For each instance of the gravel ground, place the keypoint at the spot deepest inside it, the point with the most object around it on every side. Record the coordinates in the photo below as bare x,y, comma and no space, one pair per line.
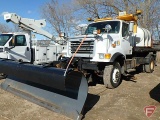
126,102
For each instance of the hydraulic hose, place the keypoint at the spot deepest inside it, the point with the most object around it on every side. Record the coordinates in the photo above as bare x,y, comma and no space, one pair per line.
74,54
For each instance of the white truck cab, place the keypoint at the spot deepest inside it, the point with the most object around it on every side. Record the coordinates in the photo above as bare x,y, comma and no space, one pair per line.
100,45
15,46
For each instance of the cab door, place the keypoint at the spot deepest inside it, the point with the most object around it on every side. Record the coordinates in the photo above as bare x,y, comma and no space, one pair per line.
126,46
20,49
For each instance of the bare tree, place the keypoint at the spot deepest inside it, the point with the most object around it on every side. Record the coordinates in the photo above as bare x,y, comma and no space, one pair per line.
60,16
151,11
158,31
106,8
65,17
110,8
5,28
16,28
96,8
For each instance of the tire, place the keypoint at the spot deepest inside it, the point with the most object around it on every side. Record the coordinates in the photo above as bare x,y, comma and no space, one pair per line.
60,57
149,68
92,79
112,76
2,76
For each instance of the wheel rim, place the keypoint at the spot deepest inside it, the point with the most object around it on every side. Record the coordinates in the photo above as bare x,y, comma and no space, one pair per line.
115,75
152,65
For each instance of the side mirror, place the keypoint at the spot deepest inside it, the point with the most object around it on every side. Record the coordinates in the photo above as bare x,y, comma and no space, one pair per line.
6,49
108,28
61,34
95,32
131,25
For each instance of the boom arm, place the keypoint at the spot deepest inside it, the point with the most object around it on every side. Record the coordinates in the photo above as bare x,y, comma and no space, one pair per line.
28,24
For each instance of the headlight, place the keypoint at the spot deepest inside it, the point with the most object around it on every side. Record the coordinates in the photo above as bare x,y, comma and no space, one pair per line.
101,56
1,49
104,56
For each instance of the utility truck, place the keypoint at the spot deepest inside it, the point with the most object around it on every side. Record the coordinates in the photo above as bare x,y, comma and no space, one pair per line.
111,48
18,45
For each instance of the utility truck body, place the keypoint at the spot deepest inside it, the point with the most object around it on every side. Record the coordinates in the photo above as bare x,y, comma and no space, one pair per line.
18,45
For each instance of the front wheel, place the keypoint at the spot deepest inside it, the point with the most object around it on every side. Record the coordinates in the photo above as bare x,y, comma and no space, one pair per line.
112,75
2,76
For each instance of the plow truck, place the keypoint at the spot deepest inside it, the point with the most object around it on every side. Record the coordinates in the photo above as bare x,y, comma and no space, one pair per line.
111,48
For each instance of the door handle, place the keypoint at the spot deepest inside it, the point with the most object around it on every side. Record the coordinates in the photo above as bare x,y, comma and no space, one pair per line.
27,48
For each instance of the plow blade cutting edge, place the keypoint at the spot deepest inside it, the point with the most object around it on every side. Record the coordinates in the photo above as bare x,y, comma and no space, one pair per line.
46,86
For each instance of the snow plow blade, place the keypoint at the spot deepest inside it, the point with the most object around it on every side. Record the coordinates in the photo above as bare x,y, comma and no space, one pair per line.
47,87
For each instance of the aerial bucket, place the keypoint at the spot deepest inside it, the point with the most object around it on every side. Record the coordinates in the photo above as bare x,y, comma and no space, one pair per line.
46,86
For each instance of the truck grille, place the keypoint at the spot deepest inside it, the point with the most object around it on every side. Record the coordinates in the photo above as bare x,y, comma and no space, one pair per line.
86,47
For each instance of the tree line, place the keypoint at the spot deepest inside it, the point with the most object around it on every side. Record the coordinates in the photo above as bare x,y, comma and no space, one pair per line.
66,16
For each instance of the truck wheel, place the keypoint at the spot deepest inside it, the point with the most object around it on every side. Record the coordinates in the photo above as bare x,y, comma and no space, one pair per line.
112,75
149,68
2,76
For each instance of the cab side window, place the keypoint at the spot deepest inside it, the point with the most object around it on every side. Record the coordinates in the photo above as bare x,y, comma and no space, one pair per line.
20,40
125,28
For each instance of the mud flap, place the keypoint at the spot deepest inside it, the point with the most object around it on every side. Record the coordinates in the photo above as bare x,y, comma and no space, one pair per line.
67,99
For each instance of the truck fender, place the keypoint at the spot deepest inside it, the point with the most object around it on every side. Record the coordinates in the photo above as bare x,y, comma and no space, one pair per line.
119,57
115,56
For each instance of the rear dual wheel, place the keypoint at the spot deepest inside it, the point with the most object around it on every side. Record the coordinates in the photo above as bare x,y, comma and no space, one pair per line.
149,68
112,75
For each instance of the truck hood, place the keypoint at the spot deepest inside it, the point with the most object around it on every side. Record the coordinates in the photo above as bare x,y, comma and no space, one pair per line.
100,37
82,36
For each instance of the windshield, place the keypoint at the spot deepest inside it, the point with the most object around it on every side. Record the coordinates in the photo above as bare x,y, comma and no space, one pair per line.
100,26
4,38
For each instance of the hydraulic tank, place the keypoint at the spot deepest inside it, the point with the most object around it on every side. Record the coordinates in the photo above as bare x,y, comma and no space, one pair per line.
143,38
